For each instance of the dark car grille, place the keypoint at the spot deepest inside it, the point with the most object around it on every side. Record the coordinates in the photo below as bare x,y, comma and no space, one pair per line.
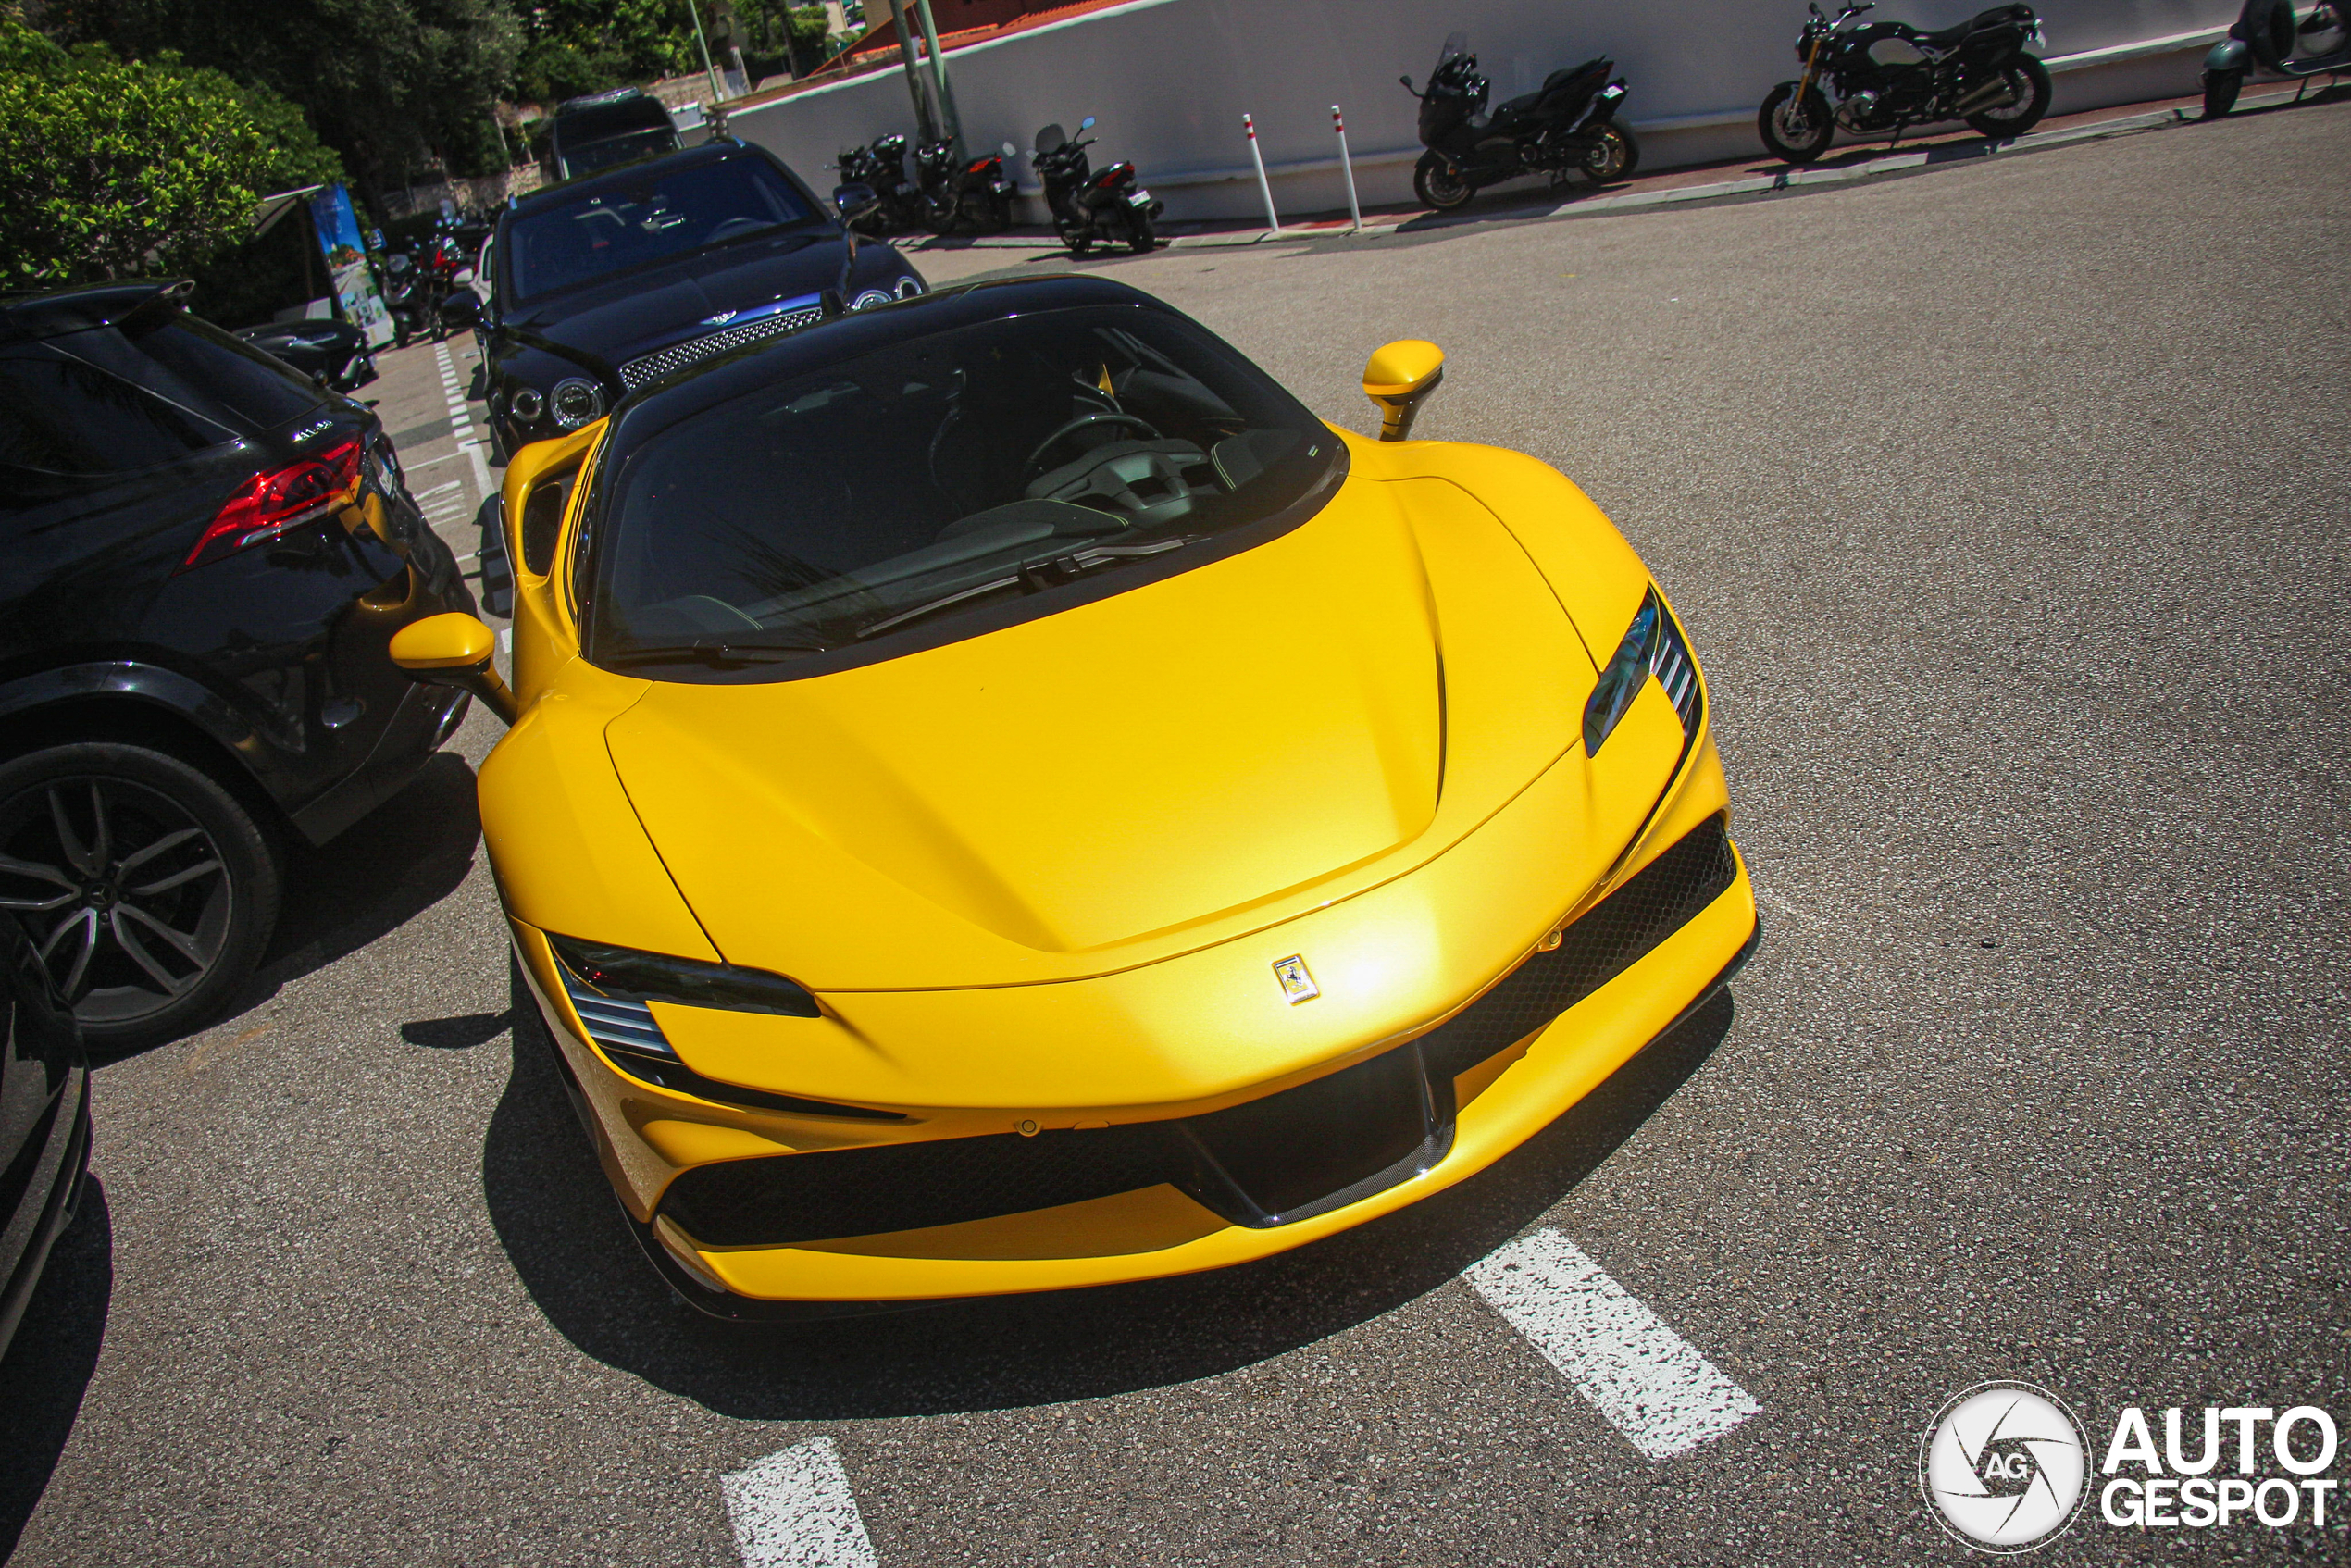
1264,1163
676,356
1608,939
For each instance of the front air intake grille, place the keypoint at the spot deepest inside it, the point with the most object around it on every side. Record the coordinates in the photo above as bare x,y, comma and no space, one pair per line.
632,1041
1606,940
1264,1162
676,356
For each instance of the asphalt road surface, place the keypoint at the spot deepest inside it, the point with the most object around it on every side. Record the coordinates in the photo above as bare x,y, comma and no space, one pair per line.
2008,507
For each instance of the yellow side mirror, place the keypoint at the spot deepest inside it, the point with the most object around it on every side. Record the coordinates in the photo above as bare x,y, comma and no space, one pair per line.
1397,378
454,650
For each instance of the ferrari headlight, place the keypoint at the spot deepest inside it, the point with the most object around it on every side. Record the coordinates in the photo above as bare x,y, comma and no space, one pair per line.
624,974
908,286
1652,645
869,299
575,403
526,405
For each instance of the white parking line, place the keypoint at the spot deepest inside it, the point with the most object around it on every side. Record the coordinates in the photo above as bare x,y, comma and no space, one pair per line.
794,1510
452,484
1649,1382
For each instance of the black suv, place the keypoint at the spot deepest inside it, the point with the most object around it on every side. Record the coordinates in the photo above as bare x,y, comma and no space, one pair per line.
203,553
609,283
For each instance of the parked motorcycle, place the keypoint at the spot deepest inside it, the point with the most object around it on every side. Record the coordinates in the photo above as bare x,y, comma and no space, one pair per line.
404,291
978,193
1088,206
2266,34
874,196
1568,125
1889,75
334,352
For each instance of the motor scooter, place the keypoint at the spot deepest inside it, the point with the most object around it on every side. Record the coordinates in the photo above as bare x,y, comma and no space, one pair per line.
957,194
2266,36
1567,126
1088,206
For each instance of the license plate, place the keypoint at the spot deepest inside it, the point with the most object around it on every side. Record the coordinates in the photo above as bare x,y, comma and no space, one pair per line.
1002,187
1138,198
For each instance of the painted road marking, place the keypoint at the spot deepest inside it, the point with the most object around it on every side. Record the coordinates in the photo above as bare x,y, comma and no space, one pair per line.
794,1510
452,484
1650,1383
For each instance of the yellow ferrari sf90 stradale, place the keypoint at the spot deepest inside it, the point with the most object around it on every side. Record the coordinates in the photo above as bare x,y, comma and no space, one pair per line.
1001,798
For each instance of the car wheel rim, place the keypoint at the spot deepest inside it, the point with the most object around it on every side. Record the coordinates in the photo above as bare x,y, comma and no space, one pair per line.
127,898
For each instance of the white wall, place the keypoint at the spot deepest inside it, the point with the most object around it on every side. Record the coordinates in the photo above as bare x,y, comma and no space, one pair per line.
1169,79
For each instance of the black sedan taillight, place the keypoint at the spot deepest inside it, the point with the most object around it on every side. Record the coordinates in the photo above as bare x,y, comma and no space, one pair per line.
275,500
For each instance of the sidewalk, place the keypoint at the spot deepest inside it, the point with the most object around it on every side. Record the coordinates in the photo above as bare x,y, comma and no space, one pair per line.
1747,179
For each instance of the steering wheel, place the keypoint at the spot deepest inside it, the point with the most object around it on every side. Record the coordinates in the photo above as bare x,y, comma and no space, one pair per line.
1031,468
733,227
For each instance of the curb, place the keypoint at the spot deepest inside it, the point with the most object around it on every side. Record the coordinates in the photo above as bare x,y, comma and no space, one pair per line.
1760,187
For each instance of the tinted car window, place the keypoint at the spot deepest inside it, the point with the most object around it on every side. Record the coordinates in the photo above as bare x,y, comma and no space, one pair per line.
62,416
592,156
194,363
932,474
667,212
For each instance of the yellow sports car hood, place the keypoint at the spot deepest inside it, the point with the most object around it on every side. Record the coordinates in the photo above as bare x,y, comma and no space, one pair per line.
1134,777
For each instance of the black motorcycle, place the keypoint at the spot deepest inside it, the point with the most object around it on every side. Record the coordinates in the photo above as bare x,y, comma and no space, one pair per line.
1889,75
873,196
335,354
958,194
1088,206
1568,125
405,297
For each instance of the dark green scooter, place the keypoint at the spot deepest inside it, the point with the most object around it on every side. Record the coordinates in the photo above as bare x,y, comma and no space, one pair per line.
2268,36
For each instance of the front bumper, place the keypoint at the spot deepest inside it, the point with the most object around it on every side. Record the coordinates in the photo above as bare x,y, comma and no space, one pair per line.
1494,1073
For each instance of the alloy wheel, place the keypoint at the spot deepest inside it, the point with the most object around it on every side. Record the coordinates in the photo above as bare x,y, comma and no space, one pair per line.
126,896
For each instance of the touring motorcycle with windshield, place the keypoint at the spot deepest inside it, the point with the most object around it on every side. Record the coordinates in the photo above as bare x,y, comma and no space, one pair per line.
1088,206
1886,77
1568,125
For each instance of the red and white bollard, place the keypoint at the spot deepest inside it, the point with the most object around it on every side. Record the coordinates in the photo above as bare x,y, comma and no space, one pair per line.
1347,167
1272,219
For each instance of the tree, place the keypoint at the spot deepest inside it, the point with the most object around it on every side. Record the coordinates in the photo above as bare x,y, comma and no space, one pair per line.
402,88
115,168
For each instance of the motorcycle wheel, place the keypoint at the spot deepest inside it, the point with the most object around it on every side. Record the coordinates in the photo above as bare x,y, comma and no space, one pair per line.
940,214
1614,155
2031,80
1079,240
1000,213
1438,184
1794,132
2221,88
1140,238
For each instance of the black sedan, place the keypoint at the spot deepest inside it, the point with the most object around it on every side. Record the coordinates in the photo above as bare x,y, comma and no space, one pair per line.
203,555
611,283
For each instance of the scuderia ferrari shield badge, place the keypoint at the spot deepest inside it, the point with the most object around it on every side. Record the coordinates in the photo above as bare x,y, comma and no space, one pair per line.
1297,984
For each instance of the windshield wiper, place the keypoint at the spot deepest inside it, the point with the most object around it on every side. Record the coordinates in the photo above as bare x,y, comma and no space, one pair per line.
1032,577
718,653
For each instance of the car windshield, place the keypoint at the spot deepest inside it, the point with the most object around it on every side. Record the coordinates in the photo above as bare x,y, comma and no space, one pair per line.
664,212
934,476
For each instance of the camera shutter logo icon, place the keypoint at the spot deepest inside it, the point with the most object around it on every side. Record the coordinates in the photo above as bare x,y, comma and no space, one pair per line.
2003,1467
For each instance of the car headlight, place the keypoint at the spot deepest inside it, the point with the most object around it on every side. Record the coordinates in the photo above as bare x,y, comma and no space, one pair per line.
1652,645
870,298
575,403
526,405
624,974
909,286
